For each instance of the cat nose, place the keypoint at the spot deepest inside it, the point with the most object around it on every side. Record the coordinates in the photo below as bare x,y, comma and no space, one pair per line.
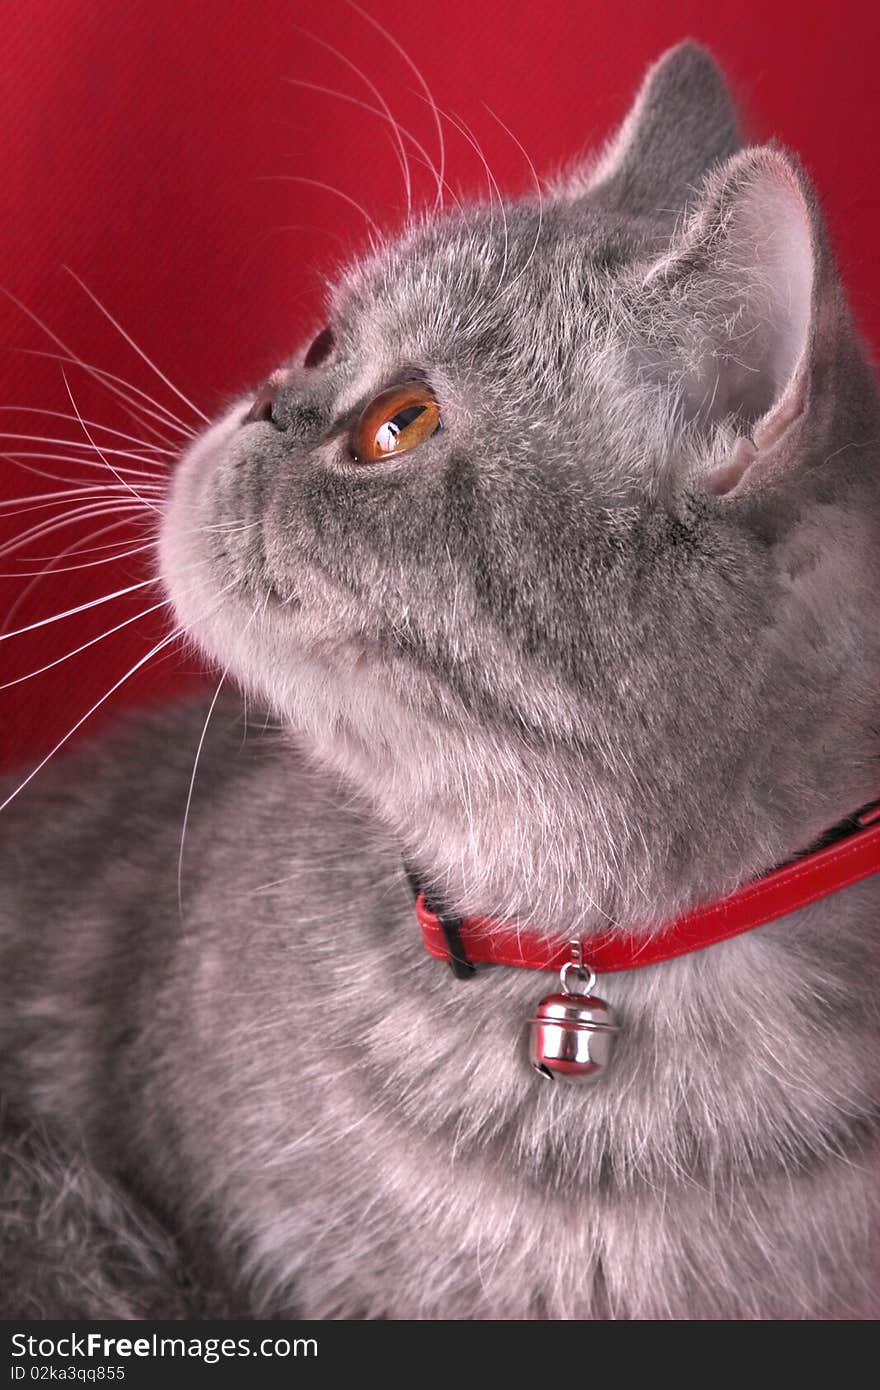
262,408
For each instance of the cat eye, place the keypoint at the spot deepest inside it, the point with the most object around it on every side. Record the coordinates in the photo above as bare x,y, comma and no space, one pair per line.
394,422
320,349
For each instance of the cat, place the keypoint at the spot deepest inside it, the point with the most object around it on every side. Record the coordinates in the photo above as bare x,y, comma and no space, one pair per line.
555,562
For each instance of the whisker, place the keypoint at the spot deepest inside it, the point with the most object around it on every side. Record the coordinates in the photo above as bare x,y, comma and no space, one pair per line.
168,446
421,152
53,560
192,782
95,424
468,134
195,767
234,526
52,567
400,148
18,457
7,685
76,515
97,449
39,501
328,188
538,190
85,549
140,352
86,564
79,608
116,384
159,646
79,444
401,51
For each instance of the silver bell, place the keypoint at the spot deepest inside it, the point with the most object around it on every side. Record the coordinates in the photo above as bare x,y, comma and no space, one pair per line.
572,1036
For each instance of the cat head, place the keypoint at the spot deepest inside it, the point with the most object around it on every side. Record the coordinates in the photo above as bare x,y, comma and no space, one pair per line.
559,539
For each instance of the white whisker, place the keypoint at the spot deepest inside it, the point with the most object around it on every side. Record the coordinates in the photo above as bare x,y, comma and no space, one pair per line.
468,134
39,501
52,566
401,51
140,352
120,554
18,457
328,188
95,425
165,642
53,561
85,645
75,515
192,782
97,449
421,153
399,147
538,190
117,385
79,608
86,549
78,459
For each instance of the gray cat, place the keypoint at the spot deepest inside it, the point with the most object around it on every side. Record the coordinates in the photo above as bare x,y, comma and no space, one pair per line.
579,623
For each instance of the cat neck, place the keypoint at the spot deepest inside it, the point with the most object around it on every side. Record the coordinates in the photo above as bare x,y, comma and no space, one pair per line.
541,841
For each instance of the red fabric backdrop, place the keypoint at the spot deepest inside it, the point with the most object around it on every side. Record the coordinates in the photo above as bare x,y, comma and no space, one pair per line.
141,144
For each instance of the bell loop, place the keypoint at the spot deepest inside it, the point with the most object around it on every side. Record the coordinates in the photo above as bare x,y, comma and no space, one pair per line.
575,969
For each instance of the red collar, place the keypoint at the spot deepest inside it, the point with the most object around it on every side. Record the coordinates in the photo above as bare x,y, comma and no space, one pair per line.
854,855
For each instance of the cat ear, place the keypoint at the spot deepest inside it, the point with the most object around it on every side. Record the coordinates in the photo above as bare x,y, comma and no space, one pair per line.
682,122
744,303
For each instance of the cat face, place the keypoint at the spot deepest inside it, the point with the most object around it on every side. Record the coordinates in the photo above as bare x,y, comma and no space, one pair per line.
432,547
525,514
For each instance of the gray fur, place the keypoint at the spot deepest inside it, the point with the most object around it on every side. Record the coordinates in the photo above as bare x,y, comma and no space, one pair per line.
603,648
76,1245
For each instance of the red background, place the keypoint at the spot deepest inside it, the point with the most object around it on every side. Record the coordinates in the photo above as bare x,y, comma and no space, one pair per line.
141,144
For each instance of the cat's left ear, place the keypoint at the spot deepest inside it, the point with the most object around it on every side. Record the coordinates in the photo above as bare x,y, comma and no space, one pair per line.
682,123
745,311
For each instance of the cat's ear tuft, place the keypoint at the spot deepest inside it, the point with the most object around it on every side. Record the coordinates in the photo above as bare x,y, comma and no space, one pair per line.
681,123
748,296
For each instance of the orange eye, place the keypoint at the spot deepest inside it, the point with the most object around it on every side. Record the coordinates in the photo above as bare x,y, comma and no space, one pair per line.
397,420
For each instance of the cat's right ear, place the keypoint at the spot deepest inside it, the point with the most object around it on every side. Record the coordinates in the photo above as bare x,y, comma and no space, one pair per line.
682,122
744,317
